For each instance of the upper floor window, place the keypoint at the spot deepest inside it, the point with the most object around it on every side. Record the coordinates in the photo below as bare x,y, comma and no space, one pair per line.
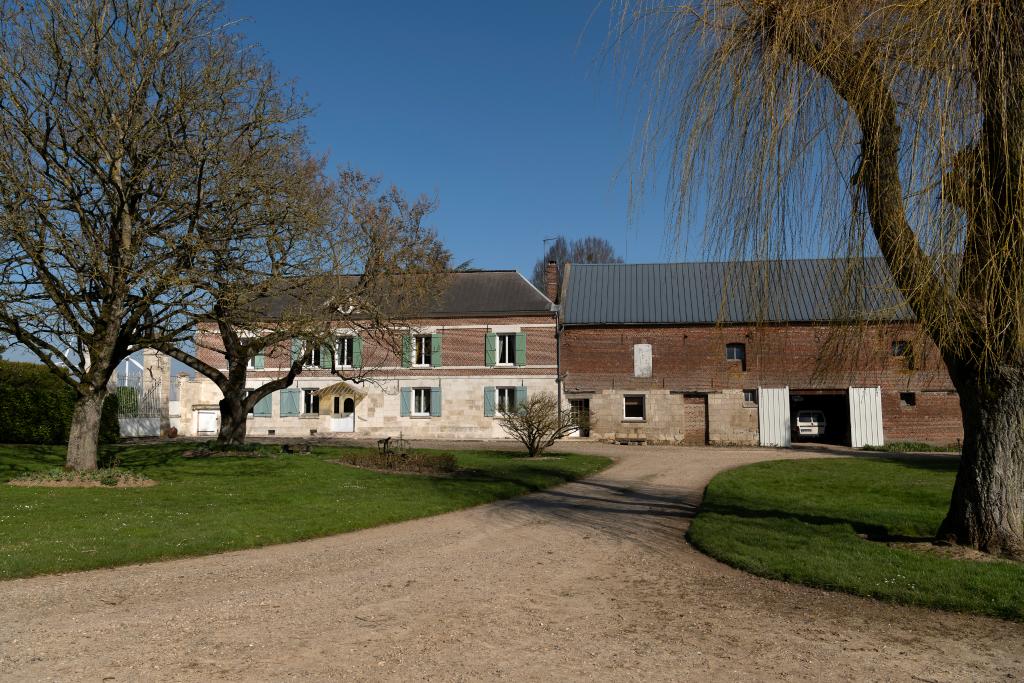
346,349
421,351
905,350
506,349
314,358
737,352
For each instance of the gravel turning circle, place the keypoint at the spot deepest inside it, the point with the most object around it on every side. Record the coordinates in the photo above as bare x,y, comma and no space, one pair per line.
593,580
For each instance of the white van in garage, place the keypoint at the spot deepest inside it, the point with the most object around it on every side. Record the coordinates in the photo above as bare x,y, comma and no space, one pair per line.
810,423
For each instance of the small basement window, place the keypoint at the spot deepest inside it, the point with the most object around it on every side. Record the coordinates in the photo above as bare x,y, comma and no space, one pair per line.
750,396
633,408
908,399
737,352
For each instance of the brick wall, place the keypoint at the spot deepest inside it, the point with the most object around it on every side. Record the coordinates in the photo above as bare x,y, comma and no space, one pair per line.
803,357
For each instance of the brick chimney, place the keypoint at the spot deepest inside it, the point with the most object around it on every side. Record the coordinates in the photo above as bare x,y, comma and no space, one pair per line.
551,280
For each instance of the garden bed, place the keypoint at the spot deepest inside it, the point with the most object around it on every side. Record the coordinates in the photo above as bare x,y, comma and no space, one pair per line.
60,478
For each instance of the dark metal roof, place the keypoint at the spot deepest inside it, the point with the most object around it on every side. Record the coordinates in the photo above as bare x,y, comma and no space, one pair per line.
484,292
805,290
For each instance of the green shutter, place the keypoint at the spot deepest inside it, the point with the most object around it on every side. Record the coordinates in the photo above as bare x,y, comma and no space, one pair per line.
520,348
520,396
435,401
259,361
290,402
403,408
406,351
296,349
264,406
490,349
489,401
435,350
357,352
325,357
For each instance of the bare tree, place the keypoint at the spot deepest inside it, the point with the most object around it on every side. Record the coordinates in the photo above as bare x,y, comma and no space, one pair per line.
537,422
878,128
589,249
298,288
129,132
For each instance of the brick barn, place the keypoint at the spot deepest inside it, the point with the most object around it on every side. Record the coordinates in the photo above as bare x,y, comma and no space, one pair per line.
734,354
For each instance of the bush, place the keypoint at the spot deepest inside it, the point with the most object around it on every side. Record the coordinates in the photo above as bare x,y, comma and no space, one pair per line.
36,406
413,461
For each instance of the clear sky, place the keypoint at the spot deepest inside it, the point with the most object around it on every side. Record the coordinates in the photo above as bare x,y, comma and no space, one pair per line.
507,113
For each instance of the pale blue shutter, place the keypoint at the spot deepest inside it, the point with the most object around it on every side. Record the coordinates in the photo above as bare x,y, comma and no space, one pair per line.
259,361
520,396
290,402
357,352
264,406
490,349
296,349
435,401
406,351
325,357
520,348
488,401
435,350
404,401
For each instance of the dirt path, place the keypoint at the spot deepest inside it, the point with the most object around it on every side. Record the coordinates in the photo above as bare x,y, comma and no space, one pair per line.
590,581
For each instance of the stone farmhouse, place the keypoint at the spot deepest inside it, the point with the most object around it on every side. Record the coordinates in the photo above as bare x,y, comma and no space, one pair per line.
658,353
486,341
734,354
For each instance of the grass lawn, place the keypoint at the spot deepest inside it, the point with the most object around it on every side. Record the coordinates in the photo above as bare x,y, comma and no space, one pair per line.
799,521
210,505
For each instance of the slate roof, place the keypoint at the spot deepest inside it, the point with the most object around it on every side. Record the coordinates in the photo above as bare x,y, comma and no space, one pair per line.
805,290
468,293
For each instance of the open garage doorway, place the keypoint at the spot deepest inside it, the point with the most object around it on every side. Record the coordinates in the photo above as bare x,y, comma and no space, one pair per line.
808,409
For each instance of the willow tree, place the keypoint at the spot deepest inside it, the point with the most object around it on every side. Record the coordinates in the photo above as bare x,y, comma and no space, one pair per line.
128,131
875,128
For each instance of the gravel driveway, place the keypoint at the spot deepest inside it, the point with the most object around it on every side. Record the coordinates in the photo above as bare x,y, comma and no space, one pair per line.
589,581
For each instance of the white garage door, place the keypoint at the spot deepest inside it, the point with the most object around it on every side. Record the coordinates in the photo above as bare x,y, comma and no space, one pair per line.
866,417
773,416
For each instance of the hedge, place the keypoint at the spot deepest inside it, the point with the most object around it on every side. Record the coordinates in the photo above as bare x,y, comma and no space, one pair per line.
36,406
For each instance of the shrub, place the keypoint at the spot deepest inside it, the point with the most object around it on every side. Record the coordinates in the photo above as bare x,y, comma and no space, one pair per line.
537,422
36,406
424,462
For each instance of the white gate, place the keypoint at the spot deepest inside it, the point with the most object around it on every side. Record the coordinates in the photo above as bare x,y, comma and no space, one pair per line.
773,417
866,417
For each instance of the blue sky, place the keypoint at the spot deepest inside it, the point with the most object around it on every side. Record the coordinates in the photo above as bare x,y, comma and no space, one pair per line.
505,112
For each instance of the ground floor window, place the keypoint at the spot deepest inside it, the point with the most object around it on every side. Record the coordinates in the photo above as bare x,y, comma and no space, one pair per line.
750,396
634,408
506,399
421,402
310,402
580,409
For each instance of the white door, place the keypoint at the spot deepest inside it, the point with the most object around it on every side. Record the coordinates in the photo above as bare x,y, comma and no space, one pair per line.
206,422
345,421
773,416
866,417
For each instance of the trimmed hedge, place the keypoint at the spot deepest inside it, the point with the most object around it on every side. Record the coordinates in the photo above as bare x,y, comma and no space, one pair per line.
36,407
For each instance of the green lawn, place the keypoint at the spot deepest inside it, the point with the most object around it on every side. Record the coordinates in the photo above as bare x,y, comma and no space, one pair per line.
799,521
210,505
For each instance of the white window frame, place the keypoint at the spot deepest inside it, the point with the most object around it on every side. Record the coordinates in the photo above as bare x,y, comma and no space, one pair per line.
420,399
509,339
753,396
250,364
344,350
643,405
314,357
422,354
252,408
510,399
308,397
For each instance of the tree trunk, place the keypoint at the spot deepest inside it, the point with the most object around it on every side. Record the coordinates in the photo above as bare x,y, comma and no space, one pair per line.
85,431
233,415
987,507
